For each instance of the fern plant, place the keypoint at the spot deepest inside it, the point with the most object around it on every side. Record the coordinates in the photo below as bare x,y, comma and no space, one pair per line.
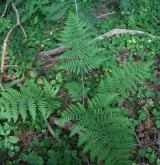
103,126
83,53
104,132
51,88
30,99
125,79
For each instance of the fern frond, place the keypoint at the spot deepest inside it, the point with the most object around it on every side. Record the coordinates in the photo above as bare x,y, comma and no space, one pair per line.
29,99
103,100
73,30
50,89
83,53
23,109
73,113
125,79
104,131
42,106
32,109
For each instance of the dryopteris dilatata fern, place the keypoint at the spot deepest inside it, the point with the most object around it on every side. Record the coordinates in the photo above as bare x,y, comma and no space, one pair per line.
118,84
125,79
29,99
122,80
104,132
103,126
83,53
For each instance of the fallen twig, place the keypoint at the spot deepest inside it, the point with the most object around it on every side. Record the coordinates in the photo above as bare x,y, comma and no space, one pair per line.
124,31
47,55
5,10
51,53
104,15
7,66
4,47
51,130
18,20
5,43
157,20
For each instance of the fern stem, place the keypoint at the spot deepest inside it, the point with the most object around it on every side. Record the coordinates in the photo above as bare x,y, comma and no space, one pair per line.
51,130
137,139
5,10
82,79
76,6
1,86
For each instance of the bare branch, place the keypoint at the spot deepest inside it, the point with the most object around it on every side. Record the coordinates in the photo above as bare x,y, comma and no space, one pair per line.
51,53
18,19
51,130
7,66
124,31
104,15
5,43
54,52
5,10
4,47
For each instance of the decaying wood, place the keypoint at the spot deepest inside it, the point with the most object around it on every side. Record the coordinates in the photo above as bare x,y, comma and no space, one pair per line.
119,31
47,55
51,53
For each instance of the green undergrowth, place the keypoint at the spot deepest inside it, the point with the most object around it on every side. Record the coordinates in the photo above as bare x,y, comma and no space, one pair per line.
109,89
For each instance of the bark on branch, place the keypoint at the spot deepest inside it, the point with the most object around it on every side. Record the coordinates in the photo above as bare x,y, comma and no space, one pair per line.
6,40
5,10
54,52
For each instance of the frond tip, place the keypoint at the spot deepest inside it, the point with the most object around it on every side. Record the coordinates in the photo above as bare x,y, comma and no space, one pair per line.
83,53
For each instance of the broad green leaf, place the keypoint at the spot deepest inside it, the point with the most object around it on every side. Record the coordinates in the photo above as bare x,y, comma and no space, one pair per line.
13,139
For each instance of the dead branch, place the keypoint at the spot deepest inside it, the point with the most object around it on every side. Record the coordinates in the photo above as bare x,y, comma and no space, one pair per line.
5,10
4,47
18,20
7,66
54,52
51,130
117,32
51,53
157,20
5,43
104,15
124,31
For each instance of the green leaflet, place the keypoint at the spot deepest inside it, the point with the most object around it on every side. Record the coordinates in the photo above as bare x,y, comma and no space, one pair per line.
83,54
104,132
30,99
